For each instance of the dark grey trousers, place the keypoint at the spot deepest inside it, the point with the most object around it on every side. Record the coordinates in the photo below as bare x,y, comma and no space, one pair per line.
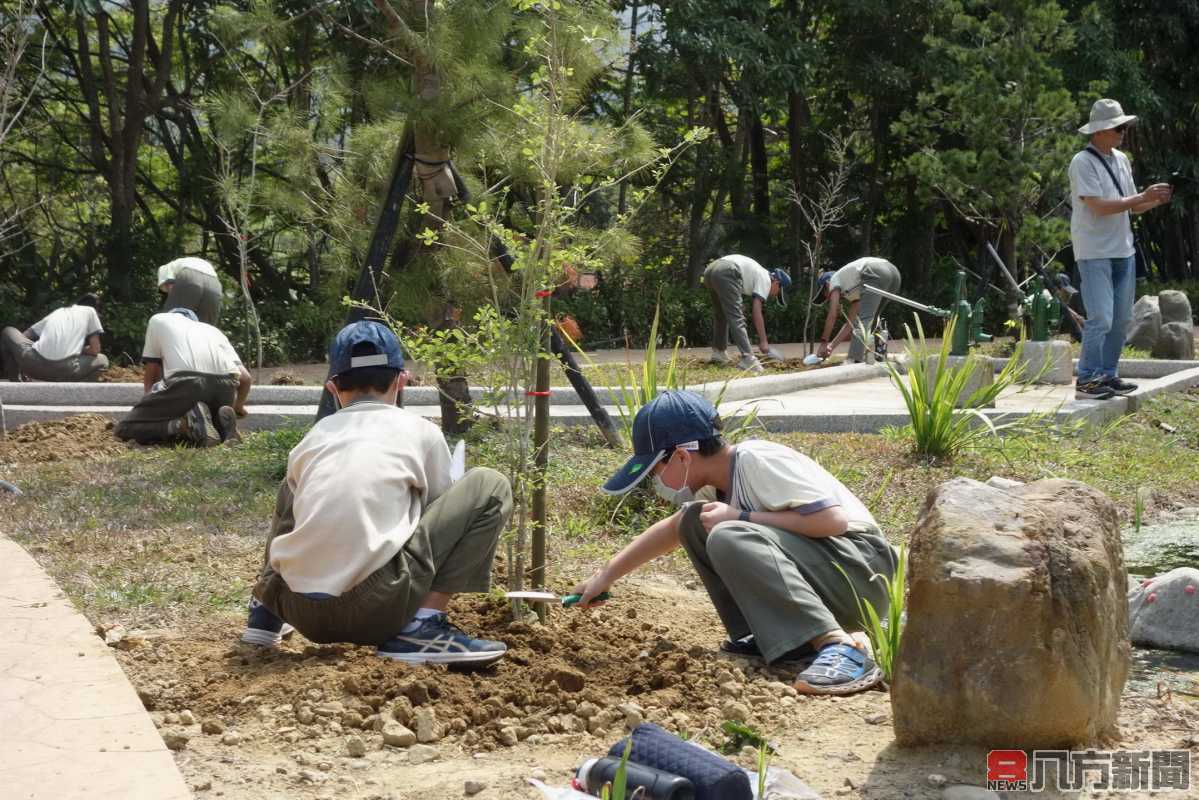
197,291
783,587
723,280
883,275
19,357
147,421
450,551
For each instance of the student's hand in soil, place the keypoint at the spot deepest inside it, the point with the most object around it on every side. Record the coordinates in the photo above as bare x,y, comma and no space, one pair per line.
588,589
712,514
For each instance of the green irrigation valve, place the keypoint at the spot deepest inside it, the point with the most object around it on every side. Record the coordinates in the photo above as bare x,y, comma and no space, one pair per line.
1043,309
967,328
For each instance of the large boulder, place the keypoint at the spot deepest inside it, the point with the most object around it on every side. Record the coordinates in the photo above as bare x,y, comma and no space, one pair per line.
1175,307
1145,324
1017,632
1175,340
1164,611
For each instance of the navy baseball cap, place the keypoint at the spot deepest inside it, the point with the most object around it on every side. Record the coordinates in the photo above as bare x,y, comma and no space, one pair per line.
385,347
784,284
673,419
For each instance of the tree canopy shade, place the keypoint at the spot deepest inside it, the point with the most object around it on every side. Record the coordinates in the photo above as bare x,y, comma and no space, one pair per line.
261,135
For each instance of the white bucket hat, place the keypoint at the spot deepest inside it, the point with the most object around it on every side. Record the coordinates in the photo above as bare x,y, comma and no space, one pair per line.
1106,114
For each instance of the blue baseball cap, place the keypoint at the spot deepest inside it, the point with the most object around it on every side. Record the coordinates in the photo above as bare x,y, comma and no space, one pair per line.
673,419
386,351
784,284
822,282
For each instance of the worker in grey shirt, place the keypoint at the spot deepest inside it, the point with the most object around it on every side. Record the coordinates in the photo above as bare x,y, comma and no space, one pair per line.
845,286
1102,194
728,280
62,346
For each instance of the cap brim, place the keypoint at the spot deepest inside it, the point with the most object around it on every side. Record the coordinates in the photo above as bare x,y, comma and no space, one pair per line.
632,473
1108,124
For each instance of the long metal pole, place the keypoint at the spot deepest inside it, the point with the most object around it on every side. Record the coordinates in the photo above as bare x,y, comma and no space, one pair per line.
936,312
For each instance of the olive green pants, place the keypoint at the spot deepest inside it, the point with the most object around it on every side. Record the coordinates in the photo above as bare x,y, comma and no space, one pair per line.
786,588
882,275
19,358
198,291
147,422
450,551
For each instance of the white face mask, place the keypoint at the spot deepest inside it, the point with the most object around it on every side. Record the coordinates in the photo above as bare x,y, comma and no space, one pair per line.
676,496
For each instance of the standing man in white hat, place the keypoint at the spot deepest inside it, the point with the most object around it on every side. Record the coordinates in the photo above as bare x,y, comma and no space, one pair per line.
1102,194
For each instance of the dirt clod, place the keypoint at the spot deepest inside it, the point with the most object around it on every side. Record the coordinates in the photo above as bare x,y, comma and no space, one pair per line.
421,754
569,680
174,740
396,735
355,747
472,788
212,727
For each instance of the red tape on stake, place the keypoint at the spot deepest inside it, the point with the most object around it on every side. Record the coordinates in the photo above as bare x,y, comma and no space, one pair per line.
537,394
544,293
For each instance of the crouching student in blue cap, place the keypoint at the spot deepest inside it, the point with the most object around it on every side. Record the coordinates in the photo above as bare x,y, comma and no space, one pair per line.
766,529
371,538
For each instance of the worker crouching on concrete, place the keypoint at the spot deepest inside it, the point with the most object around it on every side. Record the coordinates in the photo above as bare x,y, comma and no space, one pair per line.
766,529
203,386
371,538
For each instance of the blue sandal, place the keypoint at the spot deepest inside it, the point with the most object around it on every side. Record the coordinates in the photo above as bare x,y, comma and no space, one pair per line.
838,669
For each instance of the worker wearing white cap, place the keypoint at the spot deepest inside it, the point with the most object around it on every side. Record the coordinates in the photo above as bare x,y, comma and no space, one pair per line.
191,283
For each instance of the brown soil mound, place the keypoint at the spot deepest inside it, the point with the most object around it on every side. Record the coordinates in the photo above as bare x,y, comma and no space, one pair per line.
577,673
286,379
121,375
86,437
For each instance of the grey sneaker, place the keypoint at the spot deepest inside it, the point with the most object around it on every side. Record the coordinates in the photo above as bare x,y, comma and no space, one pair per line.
227,418
195,426
751,364
718,357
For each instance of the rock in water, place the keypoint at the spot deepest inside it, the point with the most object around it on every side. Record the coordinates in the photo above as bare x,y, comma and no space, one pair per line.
1172,619
1175,307
1176,341
1145,325
1017,632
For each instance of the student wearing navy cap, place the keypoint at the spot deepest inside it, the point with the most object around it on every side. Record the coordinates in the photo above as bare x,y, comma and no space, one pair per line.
844,287
371,537
766,529
729,279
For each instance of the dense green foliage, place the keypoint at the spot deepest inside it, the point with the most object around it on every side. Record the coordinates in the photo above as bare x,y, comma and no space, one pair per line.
261,134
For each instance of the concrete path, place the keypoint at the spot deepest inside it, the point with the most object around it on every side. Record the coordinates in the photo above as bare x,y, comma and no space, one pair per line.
71,725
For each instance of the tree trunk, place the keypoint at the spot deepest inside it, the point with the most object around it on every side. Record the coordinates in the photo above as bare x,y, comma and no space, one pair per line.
758,168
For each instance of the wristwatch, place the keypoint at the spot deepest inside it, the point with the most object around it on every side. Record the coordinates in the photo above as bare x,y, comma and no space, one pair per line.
743,516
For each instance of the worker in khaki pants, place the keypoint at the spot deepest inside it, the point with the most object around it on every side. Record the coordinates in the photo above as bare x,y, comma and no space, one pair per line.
780,544
371,537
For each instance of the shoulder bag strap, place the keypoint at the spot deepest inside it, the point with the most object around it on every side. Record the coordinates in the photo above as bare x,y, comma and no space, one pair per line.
1107,167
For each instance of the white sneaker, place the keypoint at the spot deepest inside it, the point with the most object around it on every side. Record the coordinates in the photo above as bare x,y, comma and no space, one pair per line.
718,357
750,364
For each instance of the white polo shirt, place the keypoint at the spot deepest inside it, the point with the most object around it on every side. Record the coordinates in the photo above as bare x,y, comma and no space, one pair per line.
849,278
755,279
772,477
360,480
181,344
63,332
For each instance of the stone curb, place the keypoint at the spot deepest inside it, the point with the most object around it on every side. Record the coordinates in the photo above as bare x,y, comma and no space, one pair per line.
73,724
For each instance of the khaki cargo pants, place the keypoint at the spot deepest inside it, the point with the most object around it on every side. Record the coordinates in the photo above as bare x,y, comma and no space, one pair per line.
783,587
880,274
450,551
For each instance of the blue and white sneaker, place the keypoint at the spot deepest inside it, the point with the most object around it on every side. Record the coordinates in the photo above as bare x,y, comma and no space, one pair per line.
263,628
437,641
838,669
